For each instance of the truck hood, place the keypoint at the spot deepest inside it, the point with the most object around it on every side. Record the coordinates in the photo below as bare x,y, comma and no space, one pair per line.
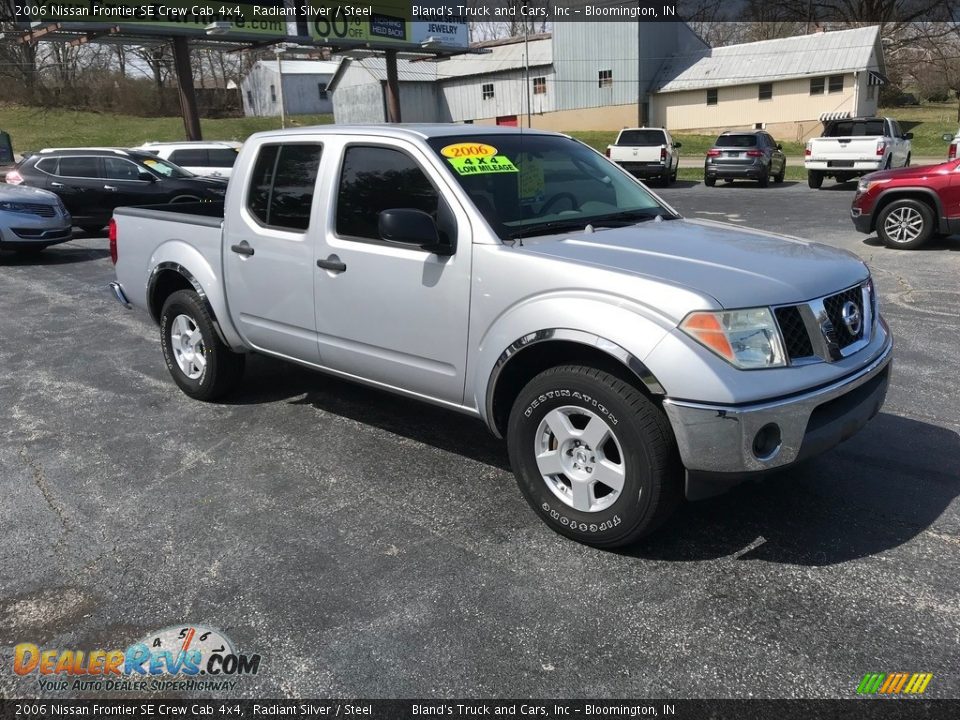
738,267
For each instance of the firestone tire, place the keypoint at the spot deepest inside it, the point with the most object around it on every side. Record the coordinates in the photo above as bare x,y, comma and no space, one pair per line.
201,365
593,456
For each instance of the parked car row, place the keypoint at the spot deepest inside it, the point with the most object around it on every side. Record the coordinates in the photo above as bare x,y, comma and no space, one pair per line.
54,189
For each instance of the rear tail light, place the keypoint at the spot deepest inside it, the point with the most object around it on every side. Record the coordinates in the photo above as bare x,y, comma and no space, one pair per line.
881,148
754,153
663,153
713,153
113,240
14,178
607,152
808,151
952,155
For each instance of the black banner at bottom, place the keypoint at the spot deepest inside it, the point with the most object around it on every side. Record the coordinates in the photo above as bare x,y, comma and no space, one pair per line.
882,709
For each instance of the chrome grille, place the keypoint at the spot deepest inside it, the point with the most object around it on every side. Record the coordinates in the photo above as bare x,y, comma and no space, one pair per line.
39,209
834,307
794,332
816,331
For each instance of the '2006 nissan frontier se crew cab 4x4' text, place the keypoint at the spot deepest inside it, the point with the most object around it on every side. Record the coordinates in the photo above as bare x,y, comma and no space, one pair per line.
624,353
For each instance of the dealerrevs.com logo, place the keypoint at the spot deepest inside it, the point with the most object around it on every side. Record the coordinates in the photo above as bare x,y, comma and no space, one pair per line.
185,658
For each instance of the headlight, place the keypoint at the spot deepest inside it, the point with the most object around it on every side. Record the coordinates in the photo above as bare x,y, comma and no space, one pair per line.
865,184
747,339
15,207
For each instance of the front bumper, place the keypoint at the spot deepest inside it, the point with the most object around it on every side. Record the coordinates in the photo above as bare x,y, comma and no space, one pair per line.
862,221
718,439
30,232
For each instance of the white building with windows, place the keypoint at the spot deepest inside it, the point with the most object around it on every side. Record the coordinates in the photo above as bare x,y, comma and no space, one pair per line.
305,89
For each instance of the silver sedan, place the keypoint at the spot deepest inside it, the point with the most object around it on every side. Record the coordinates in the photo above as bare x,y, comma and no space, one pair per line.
31,219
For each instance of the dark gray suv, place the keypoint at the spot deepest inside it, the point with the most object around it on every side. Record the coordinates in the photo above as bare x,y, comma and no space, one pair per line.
745,155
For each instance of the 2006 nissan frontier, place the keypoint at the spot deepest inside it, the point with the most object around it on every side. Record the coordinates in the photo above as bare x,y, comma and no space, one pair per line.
626,354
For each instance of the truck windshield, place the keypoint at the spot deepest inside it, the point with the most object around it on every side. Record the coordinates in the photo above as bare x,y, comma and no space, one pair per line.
530,184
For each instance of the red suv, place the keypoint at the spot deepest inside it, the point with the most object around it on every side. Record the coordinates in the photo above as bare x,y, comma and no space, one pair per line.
907,206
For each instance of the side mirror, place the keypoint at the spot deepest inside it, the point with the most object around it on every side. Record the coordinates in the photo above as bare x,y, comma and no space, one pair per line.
678,145
147,177
412,227
946,137
779,146
908,136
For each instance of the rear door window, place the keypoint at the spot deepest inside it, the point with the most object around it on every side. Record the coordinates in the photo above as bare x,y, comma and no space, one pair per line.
282,185
221,158
79,167
189,158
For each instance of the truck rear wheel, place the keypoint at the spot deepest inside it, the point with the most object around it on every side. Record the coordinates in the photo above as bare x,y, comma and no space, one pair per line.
203,367
814,179
593,456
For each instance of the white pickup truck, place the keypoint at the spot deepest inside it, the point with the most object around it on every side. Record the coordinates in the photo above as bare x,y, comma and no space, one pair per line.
647,153
521,278
852,147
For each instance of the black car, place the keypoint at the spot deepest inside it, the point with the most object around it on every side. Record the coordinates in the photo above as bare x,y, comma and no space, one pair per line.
745,155
93,181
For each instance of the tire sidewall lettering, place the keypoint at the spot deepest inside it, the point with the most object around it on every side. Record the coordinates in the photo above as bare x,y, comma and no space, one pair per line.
587,401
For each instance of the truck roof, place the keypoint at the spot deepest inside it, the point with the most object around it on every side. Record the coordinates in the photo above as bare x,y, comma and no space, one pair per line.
407,130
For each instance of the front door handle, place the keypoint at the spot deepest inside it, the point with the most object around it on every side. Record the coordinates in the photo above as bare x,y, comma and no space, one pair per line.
111,188
56,185
332,263
243,249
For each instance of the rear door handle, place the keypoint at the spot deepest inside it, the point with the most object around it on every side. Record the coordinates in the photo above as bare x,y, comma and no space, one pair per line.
111,188
243,249
332,263
56,185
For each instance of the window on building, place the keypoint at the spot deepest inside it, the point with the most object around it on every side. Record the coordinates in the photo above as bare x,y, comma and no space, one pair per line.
816,86
322,87
250,98
605,78
871,92
281,190
712,96
836,83
273,93
539,86
486,91
374,179
765,91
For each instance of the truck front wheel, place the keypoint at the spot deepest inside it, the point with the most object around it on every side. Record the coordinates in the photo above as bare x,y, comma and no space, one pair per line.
593,456
203,367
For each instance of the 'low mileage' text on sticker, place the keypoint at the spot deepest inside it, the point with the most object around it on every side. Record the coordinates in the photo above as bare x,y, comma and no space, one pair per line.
483,165
465,150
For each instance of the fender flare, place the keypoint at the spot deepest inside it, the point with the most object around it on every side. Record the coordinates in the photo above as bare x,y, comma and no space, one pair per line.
618,353
198,288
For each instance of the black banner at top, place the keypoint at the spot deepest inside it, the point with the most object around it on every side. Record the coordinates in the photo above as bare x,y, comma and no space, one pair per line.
892,708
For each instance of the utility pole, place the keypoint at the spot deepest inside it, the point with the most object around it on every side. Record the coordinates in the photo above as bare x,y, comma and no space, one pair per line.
526,64
283,112
393,87
188,98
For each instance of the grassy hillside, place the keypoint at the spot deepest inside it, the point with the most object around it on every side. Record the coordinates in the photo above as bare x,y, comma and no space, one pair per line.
35,128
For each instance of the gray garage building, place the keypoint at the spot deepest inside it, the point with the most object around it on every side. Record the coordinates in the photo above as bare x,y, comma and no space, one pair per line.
305,88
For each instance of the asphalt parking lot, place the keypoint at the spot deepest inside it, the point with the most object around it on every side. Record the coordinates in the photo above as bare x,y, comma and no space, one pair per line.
369,546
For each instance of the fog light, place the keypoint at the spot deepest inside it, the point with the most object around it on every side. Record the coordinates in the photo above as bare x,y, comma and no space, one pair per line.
767,441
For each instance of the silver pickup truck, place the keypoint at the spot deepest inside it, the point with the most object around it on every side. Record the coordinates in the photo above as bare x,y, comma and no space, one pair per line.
625,354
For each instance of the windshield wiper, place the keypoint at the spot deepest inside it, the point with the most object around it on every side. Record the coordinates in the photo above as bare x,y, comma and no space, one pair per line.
548,228
630,217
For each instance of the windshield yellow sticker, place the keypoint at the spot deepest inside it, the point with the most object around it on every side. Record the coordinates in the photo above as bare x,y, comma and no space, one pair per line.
483,165
532,182
465,150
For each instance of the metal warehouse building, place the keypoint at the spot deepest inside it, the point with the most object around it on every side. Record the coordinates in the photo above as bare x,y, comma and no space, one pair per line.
600,76
304,91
